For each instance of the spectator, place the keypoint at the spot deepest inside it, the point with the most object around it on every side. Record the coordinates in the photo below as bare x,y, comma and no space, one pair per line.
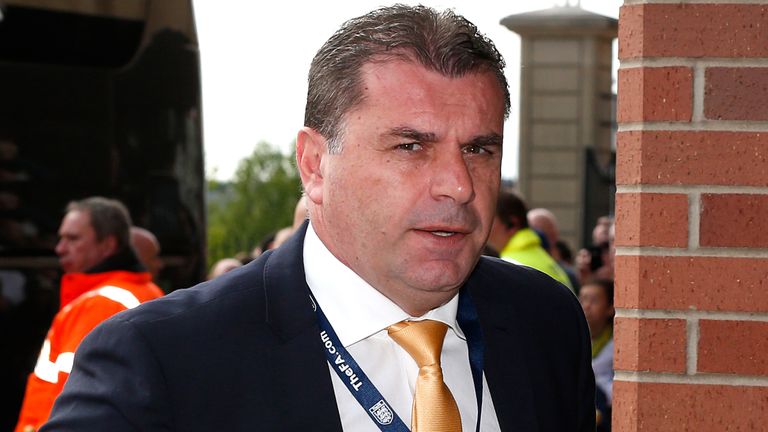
267,242
222,266
596,262
243,257
545,222
565,253
300,213
147,249
596,299
282,235
517,242
102,277
601,232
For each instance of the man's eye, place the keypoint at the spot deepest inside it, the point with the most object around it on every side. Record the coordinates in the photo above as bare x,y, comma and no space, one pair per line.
475,149
409,146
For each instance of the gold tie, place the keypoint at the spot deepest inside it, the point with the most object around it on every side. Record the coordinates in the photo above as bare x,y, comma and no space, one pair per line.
434,409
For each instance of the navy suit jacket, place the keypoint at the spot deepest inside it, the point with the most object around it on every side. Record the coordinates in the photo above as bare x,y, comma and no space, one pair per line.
243,353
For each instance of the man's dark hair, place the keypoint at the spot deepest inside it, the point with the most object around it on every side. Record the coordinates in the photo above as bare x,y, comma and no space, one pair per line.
108,217
440,41
566,254
606,285
511,210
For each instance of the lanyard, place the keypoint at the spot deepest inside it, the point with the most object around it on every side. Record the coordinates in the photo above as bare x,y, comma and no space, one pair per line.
367,395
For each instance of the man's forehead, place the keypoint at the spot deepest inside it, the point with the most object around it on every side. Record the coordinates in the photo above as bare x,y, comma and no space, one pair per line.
397,77
76,220
401,86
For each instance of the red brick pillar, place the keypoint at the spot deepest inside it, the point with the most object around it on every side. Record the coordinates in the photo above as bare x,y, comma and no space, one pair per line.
692,218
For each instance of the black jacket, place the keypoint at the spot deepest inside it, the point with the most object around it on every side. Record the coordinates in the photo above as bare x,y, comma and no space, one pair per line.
243,353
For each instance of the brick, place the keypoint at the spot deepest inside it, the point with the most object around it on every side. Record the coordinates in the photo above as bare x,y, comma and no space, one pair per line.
693,30
692,158
662,407
736,93
651,219
656,345
733,347
655,94
734,220
716,284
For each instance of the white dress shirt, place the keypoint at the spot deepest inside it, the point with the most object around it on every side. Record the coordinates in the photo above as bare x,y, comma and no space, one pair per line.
360,316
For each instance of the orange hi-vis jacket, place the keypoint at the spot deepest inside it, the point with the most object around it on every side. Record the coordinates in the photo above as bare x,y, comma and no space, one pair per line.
87,299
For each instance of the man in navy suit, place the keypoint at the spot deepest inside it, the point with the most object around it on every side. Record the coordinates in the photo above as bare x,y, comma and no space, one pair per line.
400,161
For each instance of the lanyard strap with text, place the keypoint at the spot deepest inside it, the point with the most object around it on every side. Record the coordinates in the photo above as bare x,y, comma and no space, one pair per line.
367,395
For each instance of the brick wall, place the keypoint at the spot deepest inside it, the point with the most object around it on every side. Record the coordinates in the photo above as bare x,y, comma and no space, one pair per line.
692,217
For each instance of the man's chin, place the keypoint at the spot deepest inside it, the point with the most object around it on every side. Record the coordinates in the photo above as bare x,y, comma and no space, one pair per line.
439,277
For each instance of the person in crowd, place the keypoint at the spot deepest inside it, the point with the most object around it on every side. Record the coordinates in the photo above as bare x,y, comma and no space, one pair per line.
147,249
222,266
102,276
545,222
596,262
565,253
602,231
299,216
596,299
275,239
379,311
283,234
517,242
266,243
300,213
244,257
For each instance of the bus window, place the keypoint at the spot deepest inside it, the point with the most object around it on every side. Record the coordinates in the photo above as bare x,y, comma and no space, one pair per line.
99,98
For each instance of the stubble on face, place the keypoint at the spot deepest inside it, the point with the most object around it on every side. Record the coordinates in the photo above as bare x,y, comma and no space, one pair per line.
78,248
409,201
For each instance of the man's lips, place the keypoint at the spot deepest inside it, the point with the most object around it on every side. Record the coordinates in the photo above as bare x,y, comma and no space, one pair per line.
445,231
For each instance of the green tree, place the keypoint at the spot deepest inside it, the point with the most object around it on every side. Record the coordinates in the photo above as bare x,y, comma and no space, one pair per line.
261,199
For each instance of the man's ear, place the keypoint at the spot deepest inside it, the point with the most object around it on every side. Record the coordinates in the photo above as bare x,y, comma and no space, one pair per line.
108,246
513,224
310,149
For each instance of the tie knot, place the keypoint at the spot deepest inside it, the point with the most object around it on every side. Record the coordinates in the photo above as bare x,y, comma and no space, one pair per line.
423,340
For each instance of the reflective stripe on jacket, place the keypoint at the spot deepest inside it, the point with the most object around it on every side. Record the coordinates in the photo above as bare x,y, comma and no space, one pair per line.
86,300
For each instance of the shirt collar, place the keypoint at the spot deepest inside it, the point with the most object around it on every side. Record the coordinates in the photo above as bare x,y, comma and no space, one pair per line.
354,308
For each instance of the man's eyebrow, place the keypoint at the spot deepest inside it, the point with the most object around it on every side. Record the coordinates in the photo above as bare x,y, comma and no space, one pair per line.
412,134
492,139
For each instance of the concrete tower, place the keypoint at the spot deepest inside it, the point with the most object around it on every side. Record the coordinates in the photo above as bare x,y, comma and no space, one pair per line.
566,116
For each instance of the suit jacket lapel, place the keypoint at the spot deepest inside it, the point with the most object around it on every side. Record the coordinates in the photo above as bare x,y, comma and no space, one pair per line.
305,398
504,364
305,395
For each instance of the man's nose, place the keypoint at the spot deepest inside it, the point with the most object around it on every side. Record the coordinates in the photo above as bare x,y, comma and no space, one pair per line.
59,249
451,178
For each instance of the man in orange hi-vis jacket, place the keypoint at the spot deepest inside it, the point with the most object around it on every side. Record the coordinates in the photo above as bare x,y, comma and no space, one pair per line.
102,277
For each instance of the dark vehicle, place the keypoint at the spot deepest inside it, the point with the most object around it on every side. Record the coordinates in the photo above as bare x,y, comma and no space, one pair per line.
97,97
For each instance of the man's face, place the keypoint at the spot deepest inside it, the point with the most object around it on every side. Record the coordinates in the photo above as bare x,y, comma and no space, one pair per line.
148,252
409,201
597,308
78,248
